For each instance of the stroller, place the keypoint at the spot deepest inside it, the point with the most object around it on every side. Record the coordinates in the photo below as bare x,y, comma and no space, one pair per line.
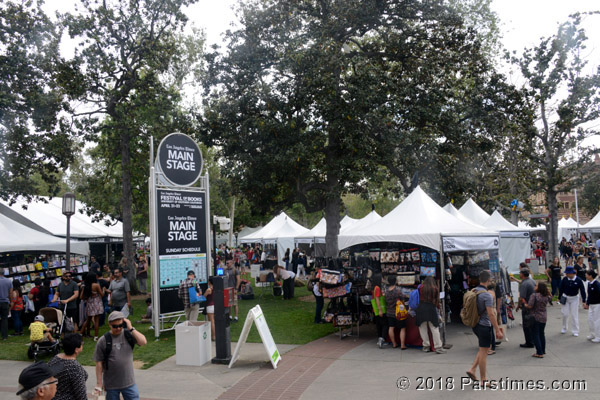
54,320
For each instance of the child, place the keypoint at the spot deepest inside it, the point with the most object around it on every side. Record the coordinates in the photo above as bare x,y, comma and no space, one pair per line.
39,331
147,319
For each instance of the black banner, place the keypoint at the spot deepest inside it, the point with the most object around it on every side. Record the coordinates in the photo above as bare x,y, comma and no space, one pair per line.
182,242
180,159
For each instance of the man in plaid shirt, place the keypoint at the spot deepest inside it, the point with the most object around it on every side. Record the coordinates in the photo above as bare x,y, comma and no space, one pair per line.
191,310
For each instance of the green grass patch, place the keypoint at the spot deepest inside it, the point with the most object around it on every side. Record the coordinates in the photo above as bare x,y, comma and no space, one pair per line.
290,322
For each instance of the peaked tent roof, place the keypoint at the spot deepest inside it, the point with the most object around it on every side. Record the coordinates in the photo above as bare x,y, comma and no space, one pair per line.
525,225
452,210
347,222
419,220
472,211
23,238
48,218
280,226
497,222
318,230
361,224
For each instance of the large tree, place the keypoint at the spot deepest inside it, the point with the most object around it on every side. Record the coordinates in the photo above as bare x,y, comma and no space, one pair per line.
567,100
127,73
35,142
311,96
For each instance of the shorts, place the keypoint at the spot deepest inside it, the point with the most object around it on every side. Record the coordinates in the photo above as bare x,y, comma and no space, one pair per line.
74,314
235,297
395,323
484,334
210,309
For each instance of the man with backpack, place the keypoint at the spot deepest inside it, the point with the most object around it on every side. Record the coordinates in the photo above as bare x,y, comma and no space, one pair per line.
486,321
114,358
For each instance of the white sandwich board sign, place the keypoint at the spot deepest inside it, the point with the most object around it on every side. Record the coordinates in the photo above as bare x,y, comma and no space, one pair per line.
256,315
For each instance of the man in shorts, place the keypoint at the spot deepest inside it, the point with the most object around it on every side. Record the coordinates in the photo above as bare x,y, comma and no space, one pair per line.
483,330
68,293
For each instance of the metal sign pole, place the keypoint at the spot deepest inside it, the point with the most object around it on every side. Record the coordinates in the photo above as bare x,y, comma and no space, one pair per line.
209,248
154,254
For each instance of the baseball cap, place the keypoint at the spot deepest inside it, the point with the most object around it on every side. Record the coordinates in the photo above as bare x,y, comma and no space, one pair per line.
35,374
190,272
39,318
115,315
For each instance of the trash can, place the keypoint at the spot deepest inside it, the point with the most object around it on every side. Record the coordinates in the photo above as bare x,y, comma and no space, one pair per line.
192,343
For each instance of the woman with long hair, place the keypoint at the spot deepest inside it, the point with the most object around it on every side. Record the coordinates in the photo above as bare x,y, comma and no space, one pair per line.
392,295
537,304
428,315
92,294
142,274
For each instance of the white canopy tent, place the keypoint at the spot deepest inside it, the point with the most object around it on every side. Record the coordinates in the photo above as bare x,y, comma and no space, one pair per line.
48,218
473,212
20,238
452,210
281,231
525,225
316,236
419,220
357,227
515,244
568,226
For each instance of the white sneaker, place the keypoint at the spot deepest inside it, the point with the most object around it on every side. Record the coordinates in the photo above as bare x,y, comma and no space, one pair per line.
575,334
597,340
380,342
563,331
590,337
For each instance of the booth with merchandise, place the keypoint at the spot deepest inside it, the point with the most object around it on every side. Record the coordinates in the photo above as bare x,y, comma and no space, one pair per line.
415,240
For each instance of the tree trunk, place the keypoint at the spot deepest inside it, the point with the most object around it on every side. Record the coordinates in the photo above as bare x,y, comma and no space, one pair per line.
126,213
552,223
333,204
231,217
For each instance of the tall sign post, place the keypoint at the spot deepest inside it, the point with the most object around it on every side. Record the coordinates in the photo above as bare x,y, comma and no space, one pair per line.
179,225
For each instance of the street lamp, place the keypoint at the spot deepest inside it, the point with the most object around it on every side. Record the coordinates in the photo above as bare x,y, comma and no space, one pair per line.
68,209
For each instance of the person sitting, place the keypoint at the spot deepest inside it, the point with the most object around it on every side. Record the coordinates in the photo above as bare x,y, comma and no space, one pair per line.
246,291
147,318
39,331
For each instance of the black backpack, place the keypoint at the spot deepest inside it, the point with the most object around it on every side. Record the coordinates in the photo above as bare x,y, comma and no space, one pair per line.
108,348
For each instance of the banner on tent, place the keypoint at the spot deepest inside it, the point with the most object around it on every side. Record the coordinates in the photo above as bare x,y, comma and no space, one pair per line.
469,243
515,234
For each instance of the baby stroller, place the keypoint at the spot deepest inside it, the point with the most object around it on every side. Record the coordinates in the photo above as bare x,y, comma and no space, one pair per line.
54,320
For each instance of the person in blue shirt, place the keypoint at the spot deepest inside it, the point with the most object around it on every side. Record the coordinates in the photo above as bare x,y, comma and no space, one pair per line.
592,304
570,288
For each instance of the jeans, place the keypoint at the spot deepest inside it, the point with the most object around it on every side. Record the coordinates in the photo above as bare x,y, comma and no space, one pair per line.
4,316
539,337
319,308
142,283
555,282
382,326
18,324
129,393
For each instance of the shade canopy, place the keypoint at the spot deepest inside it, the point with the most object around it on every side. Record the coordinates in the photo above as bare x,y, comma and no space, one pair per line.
473,212
281,231
20,238
47,217
319,231
418,220
515,243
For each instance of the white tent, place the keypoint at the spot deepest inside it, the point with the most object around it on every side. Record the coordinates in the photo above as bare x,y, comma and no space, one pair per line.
515,244
318,232
419,220
452,210
48,218
473,212
525,225
281,231
357,227
20,238
568,226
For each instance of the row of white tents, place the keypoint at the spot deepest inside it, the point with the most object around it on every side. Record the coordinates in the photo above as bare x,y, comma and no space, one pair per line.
418,220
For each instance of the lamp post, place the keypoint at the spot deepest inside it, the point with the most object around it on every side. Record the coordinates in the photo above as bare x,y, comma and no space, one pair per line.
68,209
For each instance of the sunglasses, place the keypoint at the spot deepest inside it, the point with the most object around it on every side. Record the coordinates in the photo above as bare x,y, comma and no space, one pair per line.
116,326
52,382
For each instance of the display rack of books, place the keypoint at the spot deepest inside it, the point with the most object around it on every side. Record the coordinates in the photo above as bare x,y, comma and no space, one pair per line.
44,266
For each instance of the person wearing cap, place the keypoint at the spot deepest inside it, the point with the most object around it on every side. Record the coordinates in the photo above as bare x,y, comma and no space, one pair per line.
39,331
38,382
116,374
68,293
570,288
191,310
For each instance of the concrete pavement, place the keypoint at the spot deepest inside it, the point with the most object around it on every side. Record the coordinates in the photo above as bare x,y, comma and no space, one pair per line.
357,369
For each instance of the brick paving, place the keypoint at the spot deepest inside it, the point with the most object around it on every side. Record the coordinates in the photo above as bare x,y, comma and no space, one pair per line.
295,372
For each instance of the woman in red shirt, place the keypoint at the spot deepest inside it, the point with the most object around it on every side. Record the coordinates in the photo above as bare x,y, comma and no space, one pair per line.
16,307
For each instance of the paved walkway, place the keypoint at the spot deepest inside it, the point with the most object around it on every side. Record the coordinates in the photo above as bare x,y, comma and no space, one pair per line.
356,369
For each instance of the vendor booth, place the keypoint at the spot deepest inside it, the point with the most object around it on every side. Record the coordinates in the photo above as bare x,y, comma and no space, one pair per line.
277,236
313,241
27,254
419,239
515,243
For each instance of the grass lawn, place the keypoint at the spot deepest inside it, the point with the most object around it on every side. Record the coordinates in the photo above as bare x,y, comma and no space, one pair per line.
290,322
